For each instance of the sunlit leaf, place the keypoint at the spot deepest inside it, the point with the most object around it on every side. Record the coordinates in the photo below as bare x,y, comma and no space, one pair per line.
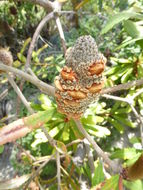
27,41
134,29
126,76
21,57
138,185
1,149
116,124
117,18
98,174
126,153
112,183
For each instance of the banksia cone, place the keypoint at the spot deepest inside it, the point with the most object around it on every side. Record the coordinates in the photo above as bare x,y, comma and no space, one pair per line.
6,57
81,80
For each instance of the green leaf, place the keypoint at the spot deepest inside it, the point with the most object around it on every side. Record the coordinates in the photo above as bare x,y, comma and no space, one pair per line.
140,70
120,60
121,110
14,183
125,154
111,183
126,76
27,41
112,70
21,57
92,120
39,118
116,124
1,149
127,42
81,4
98,175
124,121
117,18
138,185
134,29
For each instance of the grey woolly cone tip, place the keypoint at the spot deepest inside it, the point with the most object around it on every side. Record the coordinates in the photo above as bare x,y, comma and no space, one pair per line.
84,51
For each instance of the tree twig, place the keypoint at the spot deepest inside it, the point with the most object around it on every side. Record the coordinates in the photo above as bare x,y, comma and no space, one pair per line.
89,156
35,36
19,93
48,89
61,33
36,173
122,86
3,94
99,151
58,169
74,142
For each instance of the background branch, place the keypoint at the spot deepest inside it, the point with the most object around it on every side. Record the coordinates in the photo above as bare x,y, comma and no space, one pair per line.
35,36
19,93
48,89
99,151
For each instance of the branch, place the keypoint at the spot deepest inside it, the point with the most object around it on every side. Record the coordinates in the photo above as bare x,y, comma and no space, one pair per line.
58,169
96,147
36,173
61,33
3,94
48,89
19,93
35,36
122,86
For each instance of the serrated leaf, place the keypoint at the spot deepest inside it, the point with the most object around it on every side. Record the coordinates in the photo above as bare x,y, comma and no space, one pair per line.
14,183
98,175
111,183
117,18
